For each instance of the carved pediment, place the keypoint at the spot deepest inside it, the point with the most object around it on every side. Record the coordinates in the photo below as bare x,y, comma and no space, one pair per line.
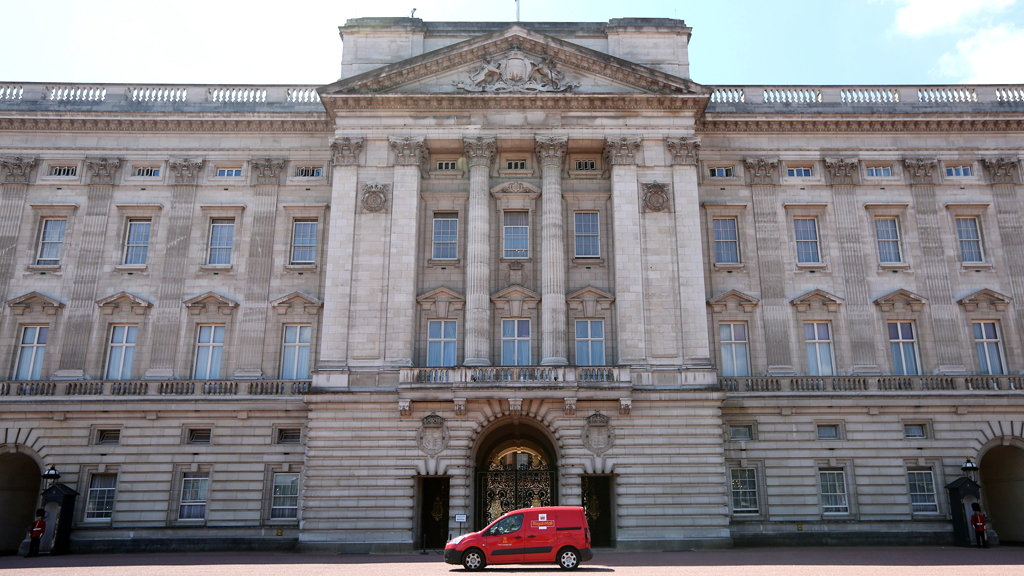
985,299
210,302
34,301
589,299
515,300
123,301
296,301
515,189
733,301
817,300
442,302
901,301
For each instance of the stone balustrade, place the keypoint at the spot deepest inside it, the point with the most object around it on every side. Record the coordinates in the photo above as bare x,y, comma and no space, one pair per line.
886,97
860,384
542,375
153,388
141,97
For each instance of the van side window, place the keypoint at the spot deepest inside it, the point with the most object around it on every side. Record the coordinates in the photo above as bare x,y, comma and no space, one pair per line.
507,525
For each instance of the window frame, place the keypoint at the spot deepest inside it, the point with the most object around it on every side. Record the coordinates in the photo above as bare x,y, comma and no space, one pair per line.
204,503
274,496
755,491
720,172
966,170
732,344
439,217
294,245
817,342
799,172
845,494
815,242
902,341
577,235
924,431
516,340
444,342
934,492
124,345
112,491
961,240
998,341
819,426
297,345
898,240
127,247
214,223
751,435
211,344
505,235
34,369
889,167
51,262
589,341
735,241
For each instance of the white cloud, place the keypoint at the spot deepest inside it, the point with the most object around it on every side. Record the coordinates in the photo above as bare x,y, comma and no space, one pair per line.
921,17
991,56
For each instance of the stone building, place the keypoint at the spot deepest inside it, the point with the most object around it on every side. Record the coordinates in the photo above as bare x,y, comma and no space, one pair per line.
499,265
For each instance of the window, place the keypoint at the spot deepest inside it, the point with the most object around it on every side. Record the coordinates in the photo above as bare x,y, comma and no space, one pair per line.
903,345
285,503
122,352
303,242
222,238
30,353
590,343
833,492
199,435
68,170
588,235
828,432
289,435
446,236
229,172
727,244
99,504
958,171
108,437
741,433
720,172
914,431
517,235
194,489
209,350
147,172
733,337
515,342
447,165
888,236
922,491
515,164
136,242
441,342
799,172
744,490
308,172
586,165
295,355
51,242
970,240
986,342
507,525
818,341
806,240
880,171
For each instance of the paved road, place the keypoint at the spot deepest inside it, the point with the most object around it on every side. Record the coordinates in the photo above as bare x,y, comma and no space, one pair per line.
922,561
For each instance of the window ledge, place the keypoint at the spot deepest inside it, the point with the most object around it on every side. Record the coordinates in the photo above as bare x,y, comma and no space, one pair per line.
976,265
300,267
894,265
283,522
588,261
453,174
510,260
515,173
582,174
730,266
44,268
444,263
217,268
131,267
812,265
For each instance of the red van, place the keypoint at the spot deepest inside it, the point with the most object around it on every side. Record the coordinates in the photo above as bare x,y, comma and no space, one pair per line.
552,534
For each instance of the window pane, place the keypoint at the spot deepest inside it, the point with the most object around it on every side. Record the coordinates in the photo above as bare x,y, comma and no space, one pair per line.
597,353
450,329
215,356
218,334
434,329
202,363
508,328
449,354
523,352
205,333
114,364
508,352
823,331
523,328
583,353
825,353
582,330
742,365
288,363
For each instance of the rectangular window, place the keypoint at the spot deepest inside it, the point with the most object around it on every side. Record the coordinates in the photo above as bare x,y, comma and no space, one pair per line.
441,342
199,435
209,351
194,489
285,502
958,171
799,172
986,343
517,235
833,492
887,234
720,172
295,353
922,491
828,432
147,172
446,236
880,171
308,172
136,242
108,437
515,164
590,343
914,431
229,172
806,240
515,342
741,433
727,244
903,345
51,242
818,342
744,490
222,238
970,240
99,504
30,352
588,235
122,352
733,337
447,165
64,170
304,242
289,435
586,165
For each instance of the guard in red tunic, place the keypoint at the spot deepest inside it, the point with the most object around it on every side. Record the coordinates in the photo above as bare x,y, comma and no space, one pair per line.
36,533
978,523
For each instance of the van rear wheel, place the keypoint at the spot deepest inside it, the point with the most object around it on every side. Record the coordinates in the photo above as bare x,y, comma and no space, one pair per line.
569,558
473,559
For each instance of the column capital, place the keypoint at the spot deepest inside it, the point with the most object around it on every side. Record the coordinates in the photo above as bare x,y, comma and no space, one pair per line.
17,168
102,170
921,170
345,151
186,171
481,151
267,169
621,150
842,170
551,150
409,150
762,170
1002,170
685,150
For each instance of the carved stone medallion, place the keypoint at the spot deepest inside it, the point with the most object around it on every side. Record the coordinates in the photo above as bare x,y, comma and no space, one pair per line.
515,72
375,197
655,197
433,436
598,434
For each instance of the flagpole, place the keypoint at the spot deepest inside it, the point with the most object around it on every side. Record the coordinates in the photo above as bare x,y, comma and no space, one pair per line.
517,10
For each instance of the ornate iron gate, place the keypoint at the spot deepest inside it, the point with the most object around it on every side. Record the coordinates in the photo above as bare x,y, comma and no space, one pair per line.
505,487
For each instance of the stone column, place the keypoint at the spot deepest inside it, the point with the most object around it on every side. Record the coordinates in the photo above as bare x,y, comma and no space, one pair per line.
553,323
630,340
253,334
80,285
480,152
1011,228
774,305
410,155
167,312
935,269
860,313
684,154
16,172
332,367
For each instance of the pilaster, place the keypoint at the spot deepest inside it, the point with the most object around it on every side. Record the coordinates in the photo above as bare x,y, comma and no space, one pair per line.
554,338
1005,173
16,172
620,153
480,152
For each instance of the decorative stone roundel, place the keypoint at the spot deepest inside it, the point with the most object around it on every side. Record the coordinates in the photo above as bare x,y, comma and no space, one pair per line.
433,436
598,434
375,197
655,197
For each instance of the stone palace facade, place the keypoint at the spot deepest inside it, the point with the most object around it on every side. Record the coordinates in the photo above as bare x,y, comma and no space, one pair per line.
499,265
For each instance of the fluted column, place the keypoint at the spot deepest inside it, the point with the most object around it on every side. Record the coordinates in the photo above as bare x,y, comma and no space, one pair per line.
480,152
935,271
1004,171
553,322
630,340
16,172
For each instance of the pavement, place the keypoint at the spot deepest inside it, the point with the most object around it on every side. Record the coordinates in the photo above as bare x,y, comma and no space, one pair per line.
887,561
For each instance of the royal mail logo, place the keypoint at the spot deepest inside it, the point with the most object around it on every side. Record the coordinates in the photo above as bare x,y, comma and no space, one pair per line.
542,523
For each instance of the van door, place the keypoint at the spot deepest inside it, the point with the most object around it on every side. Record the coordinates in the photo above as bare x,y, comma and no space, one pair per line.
503,543
541,536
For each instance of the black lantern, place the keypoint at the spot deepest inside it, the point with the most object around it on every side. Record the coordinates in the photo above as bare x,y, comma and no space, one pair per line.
51,476
970,469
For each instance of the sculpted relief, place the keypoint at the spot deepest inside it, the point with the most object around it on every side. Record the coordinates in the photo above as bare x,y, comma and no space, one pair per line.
516,72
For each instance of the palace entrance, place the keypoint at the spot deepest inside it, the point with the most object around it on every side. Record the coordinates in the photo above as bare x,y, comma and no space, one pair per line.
1002,479
19,494
516,468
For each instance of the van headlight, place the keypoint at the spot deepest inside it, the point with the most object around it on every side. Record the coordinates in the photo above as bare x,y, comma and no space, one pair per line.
457,539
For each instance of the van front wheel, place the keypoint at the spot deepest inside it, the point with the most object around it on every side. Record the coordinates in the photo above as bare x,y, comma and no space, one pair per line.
473,559
569,558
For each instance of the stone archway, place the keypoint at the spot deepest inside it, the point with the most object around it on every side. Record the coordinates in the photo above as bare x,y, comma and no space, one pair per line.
19,493
1002,480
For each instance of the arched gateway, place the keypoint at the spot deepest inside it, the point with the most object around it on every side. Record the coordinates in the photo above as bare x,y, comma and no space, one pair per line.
19,494
516,467
1002,479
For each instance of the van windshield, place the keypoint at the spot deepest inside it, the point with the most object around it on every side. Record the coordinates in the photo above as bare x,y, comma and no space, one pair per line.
507,525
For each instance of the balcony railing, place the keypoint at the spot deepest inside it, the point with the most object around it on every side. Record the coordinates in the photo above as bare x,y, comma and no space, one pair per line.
894,97
854,384
157,388
545,375
142,96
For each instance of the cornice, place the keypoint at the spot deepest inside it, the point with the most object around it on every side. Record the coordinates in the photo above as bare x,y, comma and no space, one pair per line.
101,122
546,101
958,123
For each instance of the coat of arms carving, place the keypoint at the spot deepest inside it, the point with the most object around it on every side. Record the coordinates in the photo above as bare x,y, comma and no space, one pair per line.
598,434
516,72
433,436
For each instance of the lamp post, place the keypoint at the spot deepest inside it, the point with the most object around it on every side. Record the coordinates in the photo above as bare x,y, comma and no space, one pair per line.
51,476
970,469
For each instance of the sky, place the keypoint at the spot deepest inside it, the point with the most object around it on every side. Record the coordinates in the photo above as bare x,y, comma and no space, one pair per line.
750,42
